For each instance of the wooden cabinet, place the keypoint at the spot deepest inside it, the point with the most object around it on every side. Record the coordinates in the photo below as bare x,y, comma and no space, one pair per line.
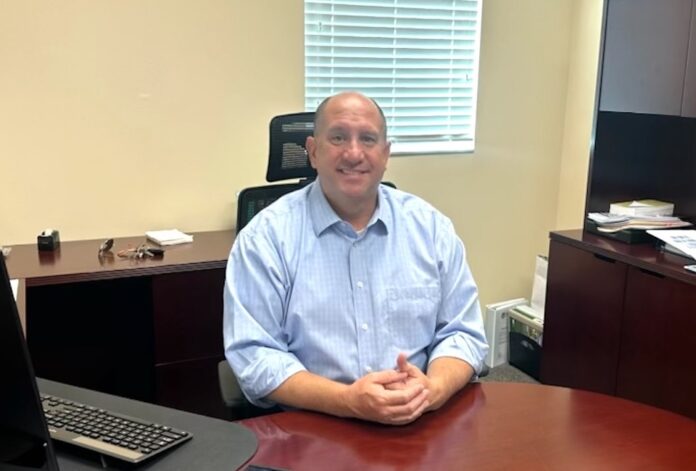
580,340
657,342
620,319
145,329
646,51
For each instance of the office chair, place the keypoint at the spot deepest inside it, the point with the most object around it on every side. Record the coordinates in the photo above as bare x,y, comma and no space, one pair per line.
287,159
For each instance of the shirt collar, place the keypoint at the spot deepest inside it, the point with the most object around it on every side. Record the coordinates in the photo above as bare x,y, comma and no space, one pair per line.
323,216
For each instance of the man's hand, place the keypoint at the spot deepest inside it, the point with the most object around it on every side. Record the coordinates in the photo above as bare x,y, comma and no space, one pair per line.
414,377
445,376
369,398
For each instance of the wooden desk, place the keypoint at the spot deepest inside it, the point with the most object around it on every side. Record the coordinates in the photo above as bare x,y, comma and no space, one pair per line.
146,329
489,426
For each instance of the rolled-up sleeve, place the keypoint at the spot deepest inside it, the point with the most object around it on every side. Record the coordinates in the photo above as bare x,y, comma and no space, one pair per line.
256,347
459,330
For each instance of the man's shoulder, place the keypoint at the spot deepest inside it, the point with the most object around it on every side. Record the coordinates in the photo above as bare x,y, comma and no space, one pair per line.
412,207
286,211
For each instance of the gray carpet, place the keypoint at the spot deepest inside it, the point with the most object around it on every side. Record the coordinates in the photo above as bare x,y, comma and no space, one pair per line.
507,373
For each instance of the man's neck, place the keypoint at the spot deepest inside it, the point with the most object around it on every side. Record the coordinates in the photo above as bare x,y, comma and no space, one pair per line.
355,213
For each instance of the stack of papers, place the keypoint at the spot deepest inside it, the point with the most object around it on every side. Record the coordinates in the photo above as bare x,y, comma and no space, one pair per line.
683,241
609,222
169,237
642,208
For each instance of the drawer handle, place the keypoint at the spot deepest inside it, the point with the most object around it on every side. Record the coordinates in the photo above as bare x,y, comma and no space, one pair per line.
604,258
652,273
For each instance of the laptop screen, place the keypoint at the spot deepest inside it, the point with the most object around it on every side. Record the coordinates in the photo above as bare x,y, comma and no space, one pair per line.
24,439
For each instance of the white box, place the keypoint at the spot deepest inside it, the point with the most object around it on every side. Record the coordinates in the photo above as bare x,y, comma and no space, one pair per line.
497,330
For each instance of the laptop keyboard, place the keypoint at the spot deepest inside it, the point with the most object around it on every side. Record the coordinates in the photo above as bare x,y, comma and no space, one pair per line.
116,435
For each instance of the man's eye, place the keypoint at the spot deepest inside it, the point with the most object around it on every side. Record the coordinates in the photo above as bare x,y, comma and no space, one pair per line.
336,139
369,139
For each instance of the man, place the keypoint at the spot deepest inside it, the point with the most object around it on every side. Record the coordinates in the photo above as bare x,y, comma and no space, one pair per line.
348,297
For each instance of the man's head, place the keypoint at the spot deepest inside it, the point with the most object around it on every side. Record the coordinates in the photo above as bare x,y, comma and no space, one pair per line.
319,113
350,151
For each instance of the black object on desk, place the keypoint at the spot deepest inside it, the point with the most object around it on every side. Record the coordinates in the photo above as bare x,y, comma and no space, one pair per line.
629,236
49,239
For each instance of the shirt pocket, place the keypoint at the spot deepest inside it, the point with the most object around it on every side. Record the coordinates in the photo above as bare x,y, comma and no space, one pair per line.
411,316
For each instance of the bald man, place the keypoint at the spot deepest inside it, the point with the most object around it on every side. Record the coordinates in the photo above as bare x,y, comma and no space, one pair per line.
349,297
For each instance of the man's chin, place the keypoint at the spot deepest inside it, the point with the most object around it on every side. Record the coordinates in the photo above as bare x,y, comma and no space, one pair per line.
357,191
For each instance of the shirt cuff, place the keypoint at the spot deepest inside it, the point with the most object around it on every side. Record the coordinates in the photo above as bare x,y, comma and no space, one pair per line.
458,346
259,380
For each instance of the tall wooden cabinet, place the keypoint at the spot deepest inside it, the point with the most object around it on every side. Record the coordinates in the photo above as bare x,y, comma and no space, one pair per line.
620,320
644,135
649,57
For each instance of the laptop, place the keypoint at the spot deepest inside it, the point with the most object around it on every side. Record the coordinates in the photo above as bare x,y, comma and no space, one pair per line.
29,421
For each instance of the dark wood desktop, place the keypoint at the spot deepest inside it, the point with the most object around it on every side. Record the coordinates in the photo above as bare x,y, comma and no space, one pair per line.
488,426
146,329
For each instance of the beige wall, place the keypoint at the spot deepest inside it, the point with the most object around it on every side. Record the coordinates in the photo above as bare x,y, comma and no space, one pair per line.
123,116
577,132
119,116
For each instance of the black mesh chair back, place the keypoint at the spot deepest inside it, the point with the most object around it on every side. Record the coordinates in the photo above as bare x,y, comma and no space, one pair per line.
254,199
287,156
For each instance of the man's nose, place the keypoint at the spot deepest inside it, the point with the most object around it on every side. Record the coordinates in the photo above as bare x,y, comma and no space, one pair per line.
354,150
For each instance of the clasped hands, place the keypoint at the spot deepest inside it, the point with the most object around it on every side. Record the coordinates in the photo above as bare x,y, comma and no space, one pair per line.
394,397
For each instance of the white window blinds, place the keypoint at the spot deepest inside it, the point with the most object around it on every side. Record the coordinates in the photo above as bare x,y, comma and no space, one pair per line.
417,58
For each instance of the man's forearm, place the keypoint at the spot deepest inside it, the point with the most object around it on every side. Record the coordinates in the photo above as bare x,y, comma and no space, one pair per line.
305,390
367,398
447,375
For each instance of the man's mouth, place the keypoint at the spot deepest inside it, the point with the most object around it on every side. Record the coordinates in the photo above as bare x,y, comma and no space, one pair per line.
351,171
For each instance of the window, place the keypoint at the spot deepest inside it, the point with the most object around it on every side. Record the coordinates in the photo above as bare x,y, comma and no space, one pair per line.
417,58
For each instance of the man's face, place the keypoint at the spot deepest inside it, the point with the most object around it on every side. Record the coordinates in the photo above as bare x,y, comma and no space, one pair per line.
349,151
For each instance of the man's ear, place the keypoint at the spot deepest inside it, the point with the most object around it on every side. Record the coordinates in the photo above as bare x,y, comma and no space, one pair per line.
387,152
311,146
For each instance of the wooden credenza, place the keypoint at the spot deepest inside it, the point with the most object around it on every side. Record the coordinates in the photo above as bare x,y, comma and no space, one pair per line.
146,329
620,319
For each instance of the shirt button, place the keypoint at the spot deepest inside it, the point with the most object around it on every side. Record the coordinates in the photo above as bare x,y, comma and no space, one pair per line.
368,368
360,284
364,326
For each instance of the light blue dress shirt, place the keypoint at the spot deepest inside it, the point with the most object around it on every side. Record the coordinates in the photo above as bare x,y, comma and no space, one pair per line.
304,291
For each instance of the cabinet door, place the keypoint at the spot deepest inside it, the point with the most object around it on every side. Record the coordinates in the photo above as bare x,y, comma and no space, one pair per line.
645,49
657,344
582,326
689,104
